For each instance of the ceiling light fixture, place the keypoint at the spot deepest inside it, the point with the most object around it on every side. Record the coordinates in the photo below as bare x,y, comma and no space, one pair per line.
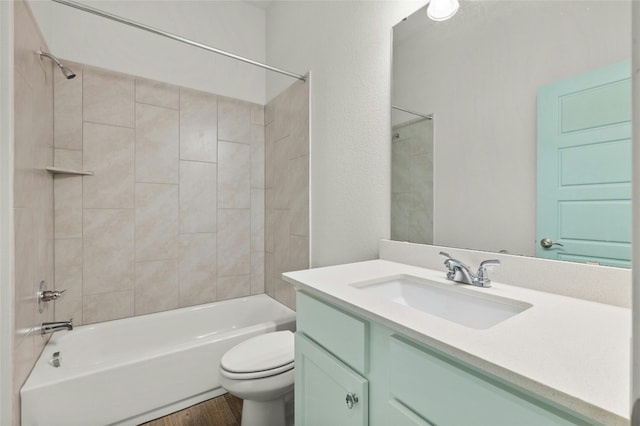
441,10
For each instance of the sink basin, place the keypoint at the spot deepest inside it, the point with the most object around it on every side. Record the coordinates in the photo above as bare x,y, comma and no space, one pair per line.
462,306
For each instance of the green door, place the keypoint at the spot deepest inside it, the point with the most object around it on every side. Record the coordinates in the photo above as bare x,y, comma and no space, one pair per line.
584,167
327,392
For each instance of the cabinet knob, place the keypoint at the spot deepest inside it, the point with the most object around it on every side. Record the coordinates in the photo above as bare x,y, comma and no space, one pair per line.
351,399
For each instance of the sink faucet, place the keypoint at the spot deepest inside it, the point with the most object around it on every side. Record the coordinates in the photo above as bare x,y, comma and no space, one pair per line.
50,327
461,273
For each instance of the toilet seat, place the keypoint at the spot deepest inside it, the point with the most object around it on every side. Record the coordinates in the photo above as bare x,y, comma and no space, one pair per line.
261,356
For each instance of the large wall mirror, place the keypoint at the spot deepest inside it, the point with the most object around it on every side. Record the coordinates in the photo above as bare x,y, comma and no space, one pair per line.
512,125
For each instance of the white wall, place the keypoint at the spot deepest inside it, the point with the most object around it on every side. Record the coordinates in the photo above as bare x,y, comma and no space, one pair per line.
234,26
479,74
347,47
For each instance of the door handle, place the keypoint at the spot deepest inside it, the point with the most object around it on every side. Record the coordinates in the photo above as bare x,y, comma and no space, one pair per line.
547,243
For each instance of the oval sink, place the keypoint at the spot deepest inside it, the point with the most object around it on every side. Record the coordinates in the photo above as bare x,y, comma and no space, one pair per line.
468,308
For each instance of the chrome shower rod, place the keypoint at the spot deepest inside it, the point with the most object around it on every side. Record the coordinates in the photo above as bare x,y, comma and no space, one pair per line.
428,117
162,33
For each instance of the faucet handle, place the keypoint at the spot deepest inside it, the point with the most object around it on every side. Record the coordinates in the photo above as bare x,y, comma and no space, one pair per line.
483,278
490,262
451,263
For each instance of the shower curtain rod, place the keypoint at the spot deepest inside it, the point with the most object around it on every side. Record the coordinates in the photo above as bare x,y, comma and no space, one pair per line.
144,27
428,117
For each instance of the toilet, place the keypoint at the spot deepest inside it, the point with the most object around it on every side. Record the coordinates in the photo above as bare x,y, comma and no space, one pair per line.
260,371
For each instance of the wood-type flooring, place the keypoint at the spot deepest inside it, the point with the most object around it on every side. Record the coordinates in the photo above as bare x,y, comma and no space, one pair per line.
225,410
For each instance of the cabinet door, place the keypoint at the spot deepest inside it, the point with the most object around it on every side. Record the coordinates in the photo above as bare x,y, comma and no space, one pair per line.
323,384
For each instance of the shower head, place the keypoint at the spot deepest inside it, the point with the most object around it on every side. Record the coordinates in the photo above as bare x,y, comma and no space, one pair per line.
68,74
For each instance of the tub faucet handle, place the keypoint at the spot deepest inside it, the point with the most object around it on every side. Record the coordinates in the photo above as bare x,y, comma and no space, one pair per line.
49,295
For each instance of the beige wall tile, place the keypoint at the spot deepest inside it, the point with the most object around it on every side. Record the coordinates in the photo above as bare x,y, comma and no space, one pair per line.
299,122
198,212
157,286
108,255
67,110
24,153
68,159
235,286
234,242
107,306
198,126
269,268
68,276
282,115
197,269
26,41
67,206
257,156
109,154
281,242
157,223
108,97
234,120
282,291
257,272
157,144
269,152
257,115
157,93
298,253
269,224
25,275
257,220
281,166
234,175
299,196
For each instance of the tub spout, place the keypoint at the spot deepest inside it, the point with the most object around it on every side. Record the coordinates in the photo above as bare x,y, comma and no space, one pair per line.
50,327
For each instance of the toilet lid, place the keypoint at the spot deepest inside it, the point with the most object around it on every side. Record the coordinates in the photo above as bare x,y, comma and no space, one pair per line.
265,352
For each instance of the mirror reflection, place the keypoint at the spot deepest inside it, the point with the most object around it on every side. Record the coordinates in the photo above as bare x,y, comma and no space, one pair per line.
529,101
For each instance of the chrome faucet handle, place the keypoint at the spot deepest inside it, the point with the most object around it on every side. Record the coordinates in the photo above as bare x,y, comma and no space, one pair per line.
451,263
483,278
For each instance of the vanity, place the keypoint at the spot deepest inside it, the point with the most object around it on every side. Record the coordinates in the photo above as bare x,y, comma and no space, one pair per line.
369,352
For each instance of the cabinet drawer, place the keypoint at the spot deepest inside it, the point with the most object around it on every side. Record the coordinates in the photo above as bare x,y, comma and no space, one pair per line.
448,392
344,335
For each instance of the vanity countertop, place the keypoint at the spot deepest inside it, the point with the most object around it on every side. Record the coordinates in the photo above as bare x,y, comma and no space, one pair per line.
571,351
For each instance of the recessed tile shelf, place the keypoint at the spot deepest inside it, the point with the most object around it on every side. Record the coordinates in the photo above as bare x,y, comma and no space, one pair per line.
59,171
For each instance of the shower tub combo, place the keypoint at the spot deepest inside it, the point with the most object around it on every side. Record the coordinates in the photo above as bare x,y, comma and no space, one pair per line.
129,371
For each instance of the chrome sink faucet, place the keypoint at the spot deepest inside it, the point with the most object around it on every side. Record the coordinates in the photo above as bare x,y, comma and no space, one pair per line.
461,273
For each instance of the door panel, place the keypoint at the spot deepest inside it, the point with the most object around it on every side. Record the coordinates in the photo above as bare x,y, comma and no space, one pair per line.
584,167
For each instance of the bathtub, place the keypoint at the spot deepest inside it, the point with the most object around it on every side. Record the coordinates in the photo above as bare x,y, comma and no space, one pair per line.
129,371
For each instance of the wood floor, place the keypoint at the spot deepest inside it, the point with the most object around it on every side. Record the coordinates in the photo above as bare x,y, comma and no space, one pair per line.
224,410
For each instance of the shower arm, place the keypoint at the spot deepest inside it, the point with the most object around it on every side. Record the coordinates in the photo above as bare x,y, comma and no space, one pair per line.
162,33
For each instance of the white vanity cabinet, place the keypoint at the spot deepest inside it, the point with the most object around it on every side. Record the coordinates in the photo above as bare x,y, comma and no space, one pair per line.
398,381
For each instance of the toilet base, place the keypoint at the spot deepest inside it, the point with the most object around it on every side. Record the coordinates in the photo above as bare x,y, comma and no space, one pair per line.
264,413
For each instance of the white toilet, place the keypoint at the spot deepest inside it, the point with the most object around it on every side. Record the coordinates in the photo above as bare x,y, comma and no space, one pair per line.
260,371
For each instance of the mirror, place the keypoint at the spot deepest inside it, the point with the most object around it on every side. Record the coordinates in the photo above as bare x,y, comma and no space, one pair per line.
478,74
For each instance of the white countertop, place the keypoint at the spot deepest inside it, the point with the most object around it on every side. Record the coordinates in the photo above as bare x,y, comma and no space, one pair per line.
571,351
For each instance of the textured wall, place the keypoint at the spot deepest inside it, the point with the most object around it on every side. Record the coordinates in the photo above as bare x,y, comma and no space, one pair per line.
33,193
347,47
174,213
287,189
234,26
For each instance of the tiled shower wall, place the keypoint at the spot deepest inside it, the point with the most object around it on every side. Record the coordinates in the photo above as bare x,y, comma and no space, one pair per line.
33,193
287,189
412,182
174,213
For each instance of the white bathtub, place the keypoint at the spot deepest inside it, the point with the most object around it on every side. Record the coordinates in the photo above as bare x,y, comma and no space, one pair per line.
129,371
